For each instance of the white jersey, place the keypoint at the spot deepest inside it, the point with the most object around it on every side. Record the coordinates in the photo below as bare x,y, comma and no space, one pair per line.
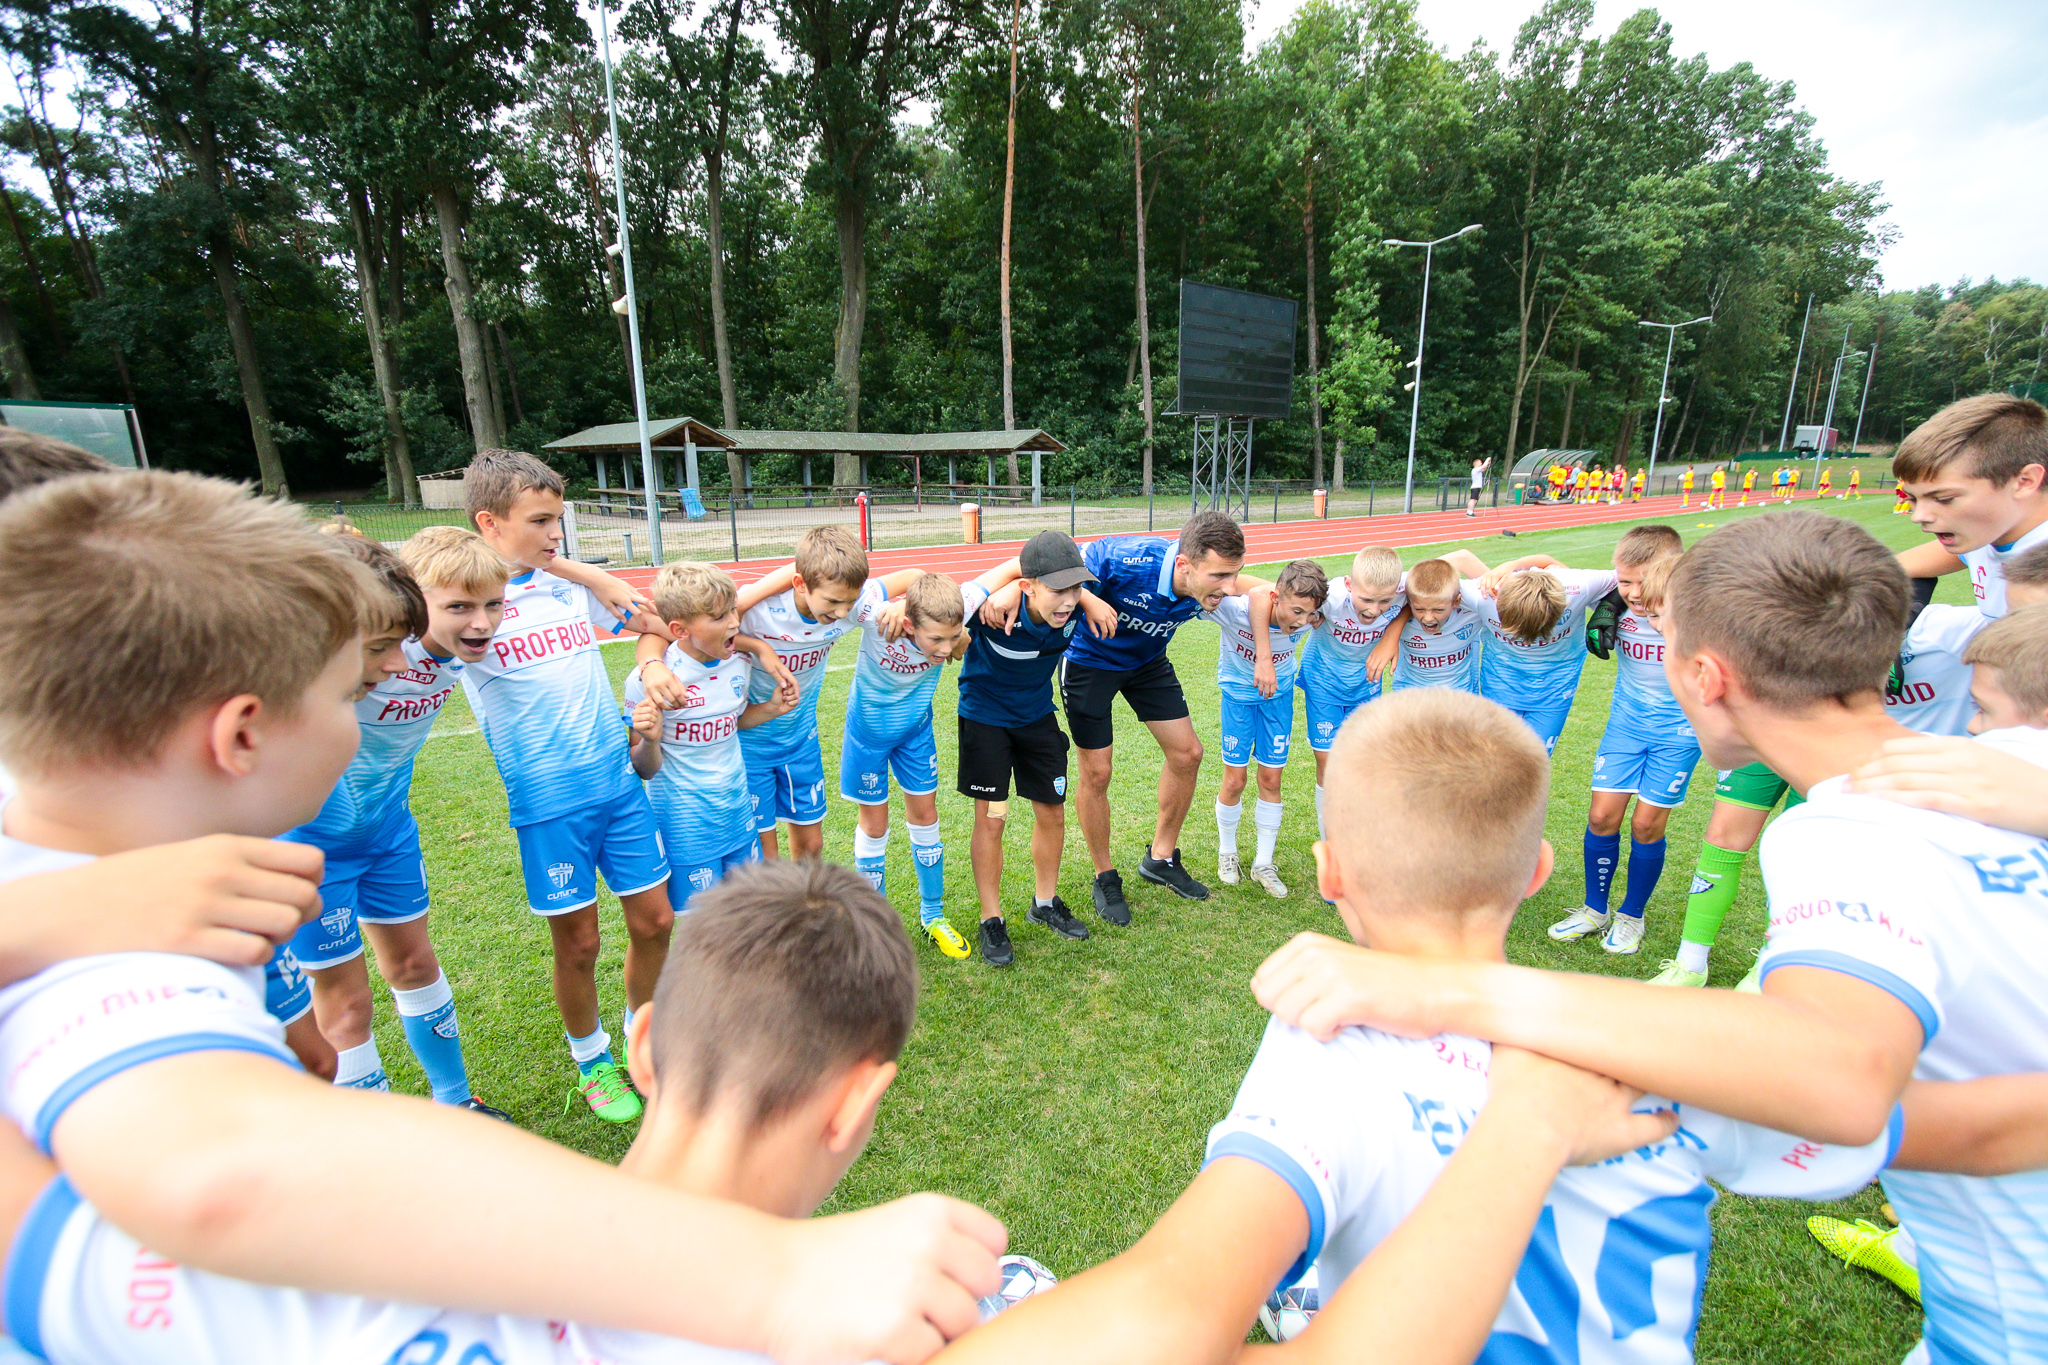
1449,658
1643,704
1951,918
1522,673
79,1023
545,702
1934,697
893,682
803,645
1360,1126
82,1292
1986,566
1333,660
1237,650
700,795
394,720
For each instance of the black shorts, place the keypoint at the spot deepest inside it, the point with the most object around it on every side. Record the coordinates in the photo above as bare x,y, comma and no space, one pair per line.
1152,689
1036,753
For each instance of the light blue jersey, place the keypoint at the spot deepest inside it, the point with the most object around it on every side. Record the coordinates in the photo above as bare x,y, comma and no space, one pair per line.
1446,657
394,720
700,794
546,704
1643,704
1237,651
1333,660
1519,673
893,683
804,646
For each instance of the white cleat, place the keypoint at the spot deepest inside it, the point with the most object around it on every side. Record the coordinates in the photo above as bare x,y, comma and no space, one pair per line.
1268,876
1625,935
1579,923
1226,869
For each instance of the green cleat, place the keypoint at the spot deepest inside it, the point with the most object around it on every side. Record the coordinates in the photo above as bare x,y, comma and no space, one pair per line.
1753,980
604,1089
1865,1245
1671,974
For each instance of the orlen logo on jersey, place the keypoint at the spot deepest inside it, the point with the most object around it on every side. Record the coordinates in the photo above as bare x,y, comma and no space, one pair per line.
546,643
413,708
693,695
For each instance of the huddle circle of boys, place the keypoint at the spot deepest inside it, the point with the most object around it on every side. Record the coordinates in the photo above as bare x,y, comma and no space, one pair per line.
1434,1156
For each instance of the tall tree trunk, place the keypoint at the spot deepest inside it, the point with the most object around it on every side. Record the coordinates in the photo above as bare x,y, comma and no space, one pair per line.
1571,391
714,194
487,429
1144,304
1337,468
1009,197
511,375
242,337
55,166
21,380
35,273
852,216
400,482
394,263
1315,388
491,370
1535,414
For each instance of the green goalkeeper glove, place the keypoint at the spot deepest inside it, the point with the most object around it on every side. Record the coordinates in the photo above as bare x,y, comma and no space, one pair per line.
1603,625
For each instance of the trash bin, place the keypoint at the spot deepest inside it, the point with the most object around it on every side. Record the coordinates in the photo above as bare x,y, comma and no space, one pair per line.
1518,495
970,523
1322,503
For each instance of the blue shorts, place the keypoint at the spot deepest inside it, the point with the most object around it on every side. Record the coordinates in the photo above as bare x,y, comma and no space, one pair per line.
1547,720
1658,771
692,877
864,771
791,789
1258,729
385,884
563,857
287,995
1327,712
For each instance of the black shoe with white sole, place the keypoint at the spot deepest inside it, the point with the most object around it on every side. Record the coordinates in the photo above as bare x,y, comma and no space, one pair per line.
995,943
1057,918
1109,898
477,1106
1169,873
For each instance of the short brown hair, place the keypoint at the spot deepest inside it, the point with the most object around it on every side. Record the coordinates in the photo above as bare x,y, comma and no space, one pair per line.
779,976
28,458
831,554
1530,603
195,592
1211,533
1304,578
2028,568
1804,607
454,557
1432,578
1378,565
933,600
1641,544
1441,797
1998,433
685,590
2017,646
398,606
496,478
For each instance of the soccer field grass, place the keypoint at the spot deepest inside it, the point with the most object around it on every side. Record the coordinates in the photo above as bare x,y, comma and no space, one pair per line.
1071,1094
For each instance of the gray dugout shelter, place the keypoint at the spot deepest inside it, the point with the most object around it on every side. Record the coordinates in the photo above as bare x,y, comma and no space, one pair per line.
109,430
1530,465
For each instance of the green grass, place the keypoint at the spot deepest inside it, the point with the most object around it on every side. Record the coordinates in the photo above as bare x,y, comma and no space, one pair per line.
1071,1094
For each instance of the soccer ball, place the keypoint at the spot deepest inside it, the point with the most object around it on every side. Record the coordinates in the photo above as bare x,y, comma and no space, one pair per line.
1021,1278
1840,496
1287,1311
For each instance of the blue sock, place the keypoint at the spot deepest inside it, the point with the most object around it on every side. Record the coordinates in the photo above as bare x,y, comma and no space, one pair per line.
428,1017
871,858
1601,852
1645,866
928,856
591,1050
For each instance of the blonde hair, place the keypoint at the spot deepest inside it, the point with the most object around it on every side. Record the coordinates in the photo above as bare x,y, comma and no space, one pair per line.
1432,578
1530,604
1441,796
193,592
2028,568
496,478
1641,544
831,554
2017,646
934,600
686,589
454,557
1656,582
1377,565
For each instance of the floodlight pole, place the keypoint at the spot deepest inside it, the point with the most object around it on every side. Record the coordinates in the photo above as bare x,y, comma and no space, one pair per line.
1857,439
648,474
1421,331
1657,436
1828,417
1792,389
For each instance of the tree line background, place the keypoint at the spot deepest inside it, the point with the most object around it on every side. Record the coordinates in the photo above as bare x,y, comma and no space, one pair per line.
333,244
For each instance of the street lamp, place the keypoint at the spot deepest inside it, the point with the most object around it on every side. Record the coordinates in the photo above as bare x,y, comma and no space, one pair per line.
1414,385
650,475
1657,437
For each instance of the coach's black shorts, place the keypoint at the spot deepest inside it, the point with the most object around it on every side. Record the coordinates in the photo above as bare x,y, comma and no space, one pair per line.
1152,689
1037,753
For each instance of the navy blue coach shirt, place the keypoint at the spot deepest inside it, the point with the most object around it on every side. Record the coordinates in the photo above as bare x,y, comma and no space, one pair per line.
1135,576
1006,680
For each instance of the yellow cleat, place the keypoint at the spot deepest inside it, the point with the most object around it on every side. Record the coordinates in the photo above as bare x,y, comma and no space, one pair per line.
1869,1247
948,939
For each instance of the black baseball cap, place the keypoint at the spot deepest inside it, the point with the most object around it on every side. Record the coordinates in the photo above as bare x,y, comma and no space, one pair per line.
1054,559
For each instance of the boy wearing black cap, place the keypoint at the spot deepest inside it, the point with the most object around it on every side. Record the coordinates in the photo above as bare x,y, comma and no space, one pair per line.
1007,726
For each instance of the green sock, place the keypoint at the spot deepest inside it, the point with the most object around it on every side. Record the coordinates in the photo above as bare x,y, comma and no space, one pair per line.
1714,883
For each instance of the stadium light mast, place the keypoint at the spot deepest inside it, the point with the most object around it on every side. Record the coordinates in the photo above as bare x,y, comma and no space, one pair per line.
1828,418
1657,436
1792,389
649,474
1421,330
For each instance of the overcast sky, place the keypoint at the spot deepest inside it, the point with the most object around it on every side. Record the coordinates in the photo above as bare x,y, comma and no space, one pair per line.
1945,103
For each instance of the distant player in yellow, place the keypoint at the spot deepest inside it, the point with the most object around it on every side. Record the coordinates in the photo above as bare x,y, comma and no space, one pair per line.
1792,488
1685,487
1856,482
1827,478
1557,478
1778,483
1637,494
1748,482
1617,482
1718,484
1901,504
1579,485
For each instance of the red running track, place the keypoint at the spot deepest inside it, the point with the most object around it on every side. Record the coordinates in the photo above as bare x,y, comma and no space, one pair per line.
1265,543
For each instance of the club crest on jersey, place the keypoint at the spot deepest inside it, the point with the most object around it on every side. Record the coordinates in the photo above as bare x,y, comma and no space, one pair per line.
701,878
337,919
738,685
561,592
560,873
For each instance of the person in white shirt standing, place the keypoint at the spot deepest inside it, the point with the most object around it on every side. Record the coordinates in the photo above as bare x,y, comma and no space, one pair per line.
1479,468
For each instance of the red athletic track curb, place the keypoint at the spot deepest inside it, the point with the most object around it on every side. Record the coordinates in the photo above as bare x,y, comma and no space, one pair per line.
1265,543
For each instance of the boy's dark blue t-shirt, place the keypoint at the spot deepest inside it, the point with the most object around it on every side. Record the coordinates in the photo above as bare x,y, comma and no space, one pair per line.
1135,576
1006,680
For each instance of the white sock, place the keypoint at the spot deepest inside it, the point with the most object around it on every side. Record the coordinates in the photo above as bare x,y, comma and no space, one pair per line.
1227,818
866,845
1692,957
626,1023
424,999
586,1050
1266,815
1321,833
355,1065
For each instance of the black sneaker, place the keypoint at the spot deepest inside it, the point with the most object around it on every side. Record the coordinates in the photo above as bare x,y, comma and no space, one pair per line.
477,1106
1168,872
1109,898
1057,918
995,943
